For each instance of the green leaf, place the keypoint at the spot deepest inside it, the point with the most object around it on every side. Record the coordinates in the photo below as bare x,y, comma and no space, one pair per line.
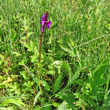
21,63
62,106
74,77
57,64
6,108
24,74
1,59
45,84
31,46
67,69
46,108
12,101
16,53
71,53
91,102
55,104
98,74
26,45
29,34
84,1
57,83
104,62
31,74
68,96
36,97
34,58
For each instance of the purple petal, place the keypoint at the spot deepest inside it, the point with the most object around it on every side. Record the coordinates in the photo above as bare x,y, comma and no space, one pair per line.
42,22
48,24
43,17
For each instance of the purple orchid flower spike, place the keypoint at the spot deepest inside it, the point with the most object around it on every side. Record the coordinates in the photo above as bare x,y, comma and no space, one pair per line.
45,22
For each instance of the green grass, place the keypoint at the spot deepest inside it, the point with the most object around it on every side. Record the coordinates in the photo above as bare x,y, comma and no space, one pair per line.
74,73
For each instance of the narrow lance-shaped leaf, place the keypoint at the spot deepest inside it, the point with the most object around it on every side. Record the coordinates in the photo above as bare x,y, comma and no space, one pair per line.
75,76
57,83
36,97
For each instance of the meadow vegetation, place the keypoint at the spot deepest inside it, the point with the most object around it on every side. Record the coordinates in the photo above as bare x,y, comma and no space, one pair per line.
74,72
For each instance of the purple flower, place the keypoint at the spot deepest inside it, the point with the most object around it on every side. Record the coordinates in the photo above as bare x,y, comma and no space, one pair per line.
45,22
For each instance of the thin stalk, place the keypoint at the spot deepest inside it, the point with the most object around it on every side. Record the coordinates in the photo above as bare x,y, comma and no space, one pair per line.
40,59
40,48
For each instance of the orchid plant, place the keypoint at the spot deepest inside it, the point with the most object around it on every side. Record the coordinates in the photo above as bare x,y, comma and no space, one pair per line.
45,23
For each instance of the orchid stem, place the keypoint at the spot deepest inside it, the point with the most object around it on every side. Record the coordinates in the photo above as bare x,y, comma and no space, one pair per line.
40,48
40,60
